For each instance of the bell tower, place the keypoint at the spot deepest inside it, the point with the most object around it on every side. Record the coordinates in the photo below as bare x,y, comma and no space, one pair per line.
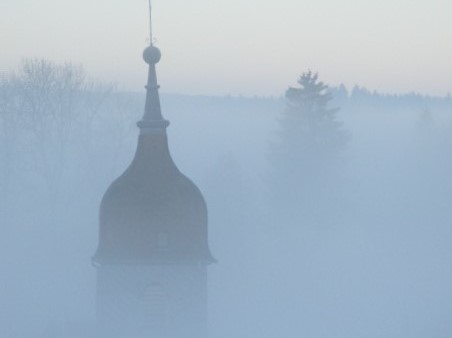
153,251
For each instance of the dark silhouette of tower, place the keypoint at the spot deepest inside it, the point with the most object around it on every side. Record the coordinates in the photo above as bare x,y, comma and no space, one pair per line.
153,249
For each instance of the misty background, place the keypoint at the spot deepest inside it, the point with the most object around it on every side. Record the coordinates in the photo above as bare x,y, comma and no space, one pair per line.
325,222
329,208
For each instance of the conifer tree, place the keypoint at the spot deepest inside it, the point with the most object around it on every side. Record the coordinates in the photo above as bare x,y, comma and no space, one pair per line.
309,151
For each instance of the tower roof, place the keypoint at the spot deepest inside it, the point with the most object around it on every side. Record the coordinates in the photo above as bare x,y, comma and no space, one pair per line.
152,213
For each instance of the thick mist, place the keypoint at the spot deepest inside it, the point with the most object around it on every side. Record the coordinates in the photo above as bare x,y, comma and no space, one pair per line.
332,227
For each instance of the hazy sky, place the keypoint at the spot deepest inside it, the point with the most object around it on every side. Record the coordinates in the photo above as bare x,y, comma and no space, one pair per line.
253,47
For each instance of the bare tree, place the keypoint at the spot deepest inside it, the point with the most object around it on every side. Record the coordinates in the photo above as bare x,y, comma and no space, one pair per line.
45,107
10,124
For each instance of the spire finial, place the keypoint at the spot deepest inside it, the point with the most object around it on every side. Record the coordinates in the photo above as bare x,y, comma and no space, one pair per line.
153,120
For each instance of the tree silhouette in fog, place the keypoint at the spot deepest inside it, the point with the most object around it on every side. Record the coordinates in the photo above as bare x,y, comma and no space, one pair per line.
53,123
309,150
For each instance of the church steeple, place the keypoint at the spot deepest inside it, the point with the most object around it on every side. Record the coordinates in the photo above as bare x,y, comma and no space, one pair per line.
153,247
152,213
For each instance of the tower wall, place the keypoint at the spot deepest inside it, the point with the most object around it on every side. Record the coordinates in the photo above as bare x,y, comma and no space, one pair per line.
165,301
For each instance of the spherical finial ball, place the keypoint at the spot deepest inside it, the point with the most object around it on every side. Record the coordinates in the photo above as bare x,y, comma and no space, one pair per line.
152,55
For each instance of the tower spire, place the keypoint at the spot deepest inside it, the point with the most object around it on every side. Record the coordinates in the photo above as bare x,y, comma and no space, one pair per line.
153,120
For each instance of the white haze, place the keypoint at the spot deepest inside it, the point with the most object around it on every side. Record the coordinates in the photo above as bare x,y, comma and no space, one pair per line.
374,260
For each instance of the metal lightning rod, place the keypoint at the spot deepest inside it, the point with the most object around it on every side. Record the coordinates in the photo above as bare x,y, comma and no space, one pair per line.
150,22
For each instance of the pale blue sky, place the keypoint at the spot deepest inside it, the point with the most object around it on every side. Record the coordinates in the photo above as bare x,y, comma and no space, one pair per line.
240,47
